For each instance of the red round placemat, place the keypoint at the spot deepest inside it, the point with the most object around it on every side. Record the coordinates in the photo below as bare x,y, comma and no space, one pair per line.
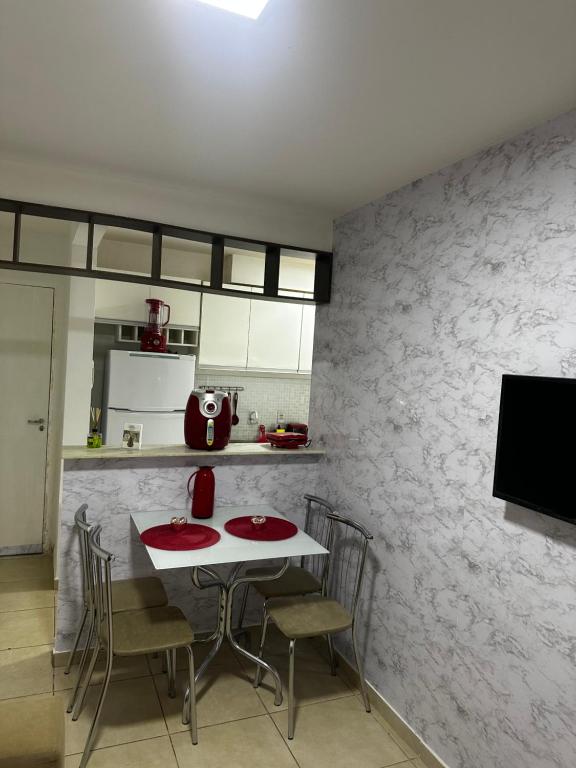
274,529
192,536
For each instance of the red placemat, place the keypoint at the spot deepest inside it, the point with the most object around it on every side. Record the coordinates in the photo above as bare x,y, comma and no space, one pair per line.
192,536
274,529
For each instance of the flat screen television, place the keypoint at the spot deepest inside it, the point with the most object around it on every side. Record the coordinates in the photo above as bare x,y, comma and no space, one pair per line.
536,447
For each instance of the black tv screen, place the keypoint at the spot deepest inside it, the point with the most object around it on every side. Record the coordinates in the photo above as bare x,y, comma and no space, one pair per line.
535,452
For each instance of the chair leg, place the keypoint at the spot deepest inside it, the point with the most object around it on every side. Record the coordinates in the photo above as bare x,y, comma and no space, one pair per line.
165,662
171,661
89,672
81,666
360,669
98,712
291,707
76,641
189,710
243,606
332,654
258,673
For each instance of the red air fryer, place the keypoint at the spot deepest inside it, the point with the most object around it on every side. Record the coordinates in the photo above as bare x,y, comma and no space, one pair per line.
208,420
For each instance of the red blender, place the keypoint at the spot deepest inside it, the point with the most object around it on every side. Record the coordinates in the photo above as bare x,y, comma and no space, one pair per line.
153,338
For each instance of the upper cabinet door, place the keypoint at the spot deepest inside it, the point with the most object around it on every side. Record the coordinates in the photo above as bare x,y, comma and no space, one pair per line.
184,305
274,341
307,338
124,302
224,331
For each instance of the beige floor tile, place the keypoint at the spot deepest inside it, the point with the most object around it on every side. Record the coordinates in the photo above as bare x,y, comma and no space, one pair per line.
224,694
406,748
25,671
224,656
20,629
152,753
131,713
313,681
26,567
338,734
253,743
417,763
124,668
26,595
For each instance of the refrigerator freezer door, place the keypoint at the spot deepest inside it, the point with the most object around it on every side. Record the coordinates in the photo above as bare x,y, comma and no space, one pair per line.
158,428
144,381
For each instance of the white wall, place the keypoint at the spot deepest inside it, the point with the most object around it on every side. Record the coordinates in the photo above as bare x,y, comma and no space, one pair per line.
213,210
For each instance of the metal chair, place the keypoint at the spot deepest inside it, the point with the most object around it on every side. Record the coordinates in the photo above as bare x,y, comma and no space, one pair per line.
128,595
303,579
133,633
316,615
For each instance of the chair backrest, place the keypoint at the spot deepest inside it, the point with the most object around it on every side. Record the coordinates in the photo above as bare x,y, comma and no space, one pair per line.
83,528
348,544
101,576
317,526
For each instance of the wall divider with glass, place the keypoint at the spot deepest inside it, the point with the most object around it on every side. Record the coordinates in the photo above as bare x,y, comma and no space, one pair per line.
65,241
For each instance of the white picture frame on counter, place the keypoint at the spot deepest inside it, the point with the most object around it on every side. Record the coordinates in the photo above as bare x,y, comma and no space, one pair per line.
132,436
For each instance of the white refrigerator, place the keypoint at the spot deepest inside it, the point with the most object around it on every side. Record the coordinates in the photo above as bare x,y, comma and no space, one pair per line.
147,388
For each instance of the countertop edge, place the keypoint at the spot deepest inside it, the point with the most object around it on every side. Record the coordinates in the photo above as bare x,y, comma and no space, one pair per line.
77,457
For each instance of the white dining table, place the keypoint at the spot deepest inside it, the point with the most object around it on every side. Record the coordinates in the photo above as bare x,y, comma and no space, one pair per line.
231,550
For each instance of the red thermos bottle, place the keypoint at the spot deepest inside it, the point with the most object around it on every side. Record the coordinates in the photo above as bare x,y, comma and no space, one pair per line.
203,494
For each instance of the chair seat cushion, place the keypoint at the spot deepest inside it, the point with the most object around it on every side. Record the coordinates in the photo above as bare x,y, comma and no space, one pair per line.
150,630
32,732
294,581
308,616
133,594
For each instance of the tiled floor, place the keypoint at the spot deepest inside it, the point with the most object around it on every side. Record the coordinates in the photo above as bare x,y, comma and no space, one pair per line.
239,727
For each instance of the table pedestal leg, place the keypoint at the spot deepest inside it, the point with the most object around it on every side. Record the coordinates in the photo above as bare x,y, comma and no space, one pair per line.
224,627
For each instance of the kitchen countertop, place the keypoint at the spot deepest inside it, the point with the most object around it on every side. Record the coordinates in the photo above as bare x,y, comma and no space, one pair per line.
234,453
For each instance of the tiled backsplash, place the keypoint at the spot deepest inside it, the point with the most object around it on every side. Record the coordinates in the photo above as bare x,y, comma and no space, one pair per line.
269,395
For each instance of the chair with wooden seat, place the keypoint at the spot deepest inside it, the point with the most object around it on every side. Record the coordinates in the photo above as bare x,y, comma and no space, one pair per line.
134,633
302,579
333,611
128,595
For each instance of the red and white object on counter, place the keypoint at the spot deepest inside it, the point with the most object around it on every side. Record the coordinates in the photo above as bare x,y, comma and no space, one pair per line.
153,338
287,439
208,420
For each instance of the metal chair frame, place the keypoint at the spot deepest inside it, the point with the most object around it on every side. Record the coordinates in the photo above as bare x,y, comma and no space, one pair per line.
356,533
88,615
99,573
315,525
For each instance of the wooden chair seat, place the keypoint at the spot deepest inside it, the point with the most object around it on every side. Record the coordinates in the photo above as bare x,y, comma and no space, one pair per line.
150,631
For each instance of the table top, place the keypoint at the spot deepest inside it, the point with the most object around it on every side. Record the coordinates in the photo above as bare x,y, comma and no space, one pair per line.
230,549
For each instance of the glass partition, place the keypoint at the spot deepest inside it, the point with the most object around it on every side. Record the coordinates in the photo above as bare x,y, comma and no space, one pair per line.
6,235
52,241
184,260
117,249
244,269
296,275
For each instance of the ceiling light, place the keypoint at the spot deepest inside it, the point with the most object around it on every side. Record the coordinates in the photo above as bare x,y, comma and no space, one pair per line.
250,8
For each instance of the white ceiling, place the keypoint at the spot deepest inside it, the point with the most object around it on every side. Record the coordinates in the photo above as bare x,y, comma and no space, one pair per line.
329,103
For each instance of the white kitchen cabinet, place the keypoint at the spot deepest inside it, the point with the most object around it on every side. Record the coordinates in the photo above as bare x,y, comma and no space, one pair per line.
307,338
184,305
274,338
119,301
126,302
224,331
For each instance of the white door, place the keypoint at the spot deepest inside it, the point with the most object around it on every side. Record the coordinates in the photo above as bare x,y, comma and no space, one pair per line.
274,340
25,363
224,331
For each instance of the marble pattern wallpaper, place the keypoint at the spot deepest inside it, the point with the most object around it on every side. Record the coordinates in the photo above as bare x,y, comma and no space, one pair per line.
114,488
470,603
